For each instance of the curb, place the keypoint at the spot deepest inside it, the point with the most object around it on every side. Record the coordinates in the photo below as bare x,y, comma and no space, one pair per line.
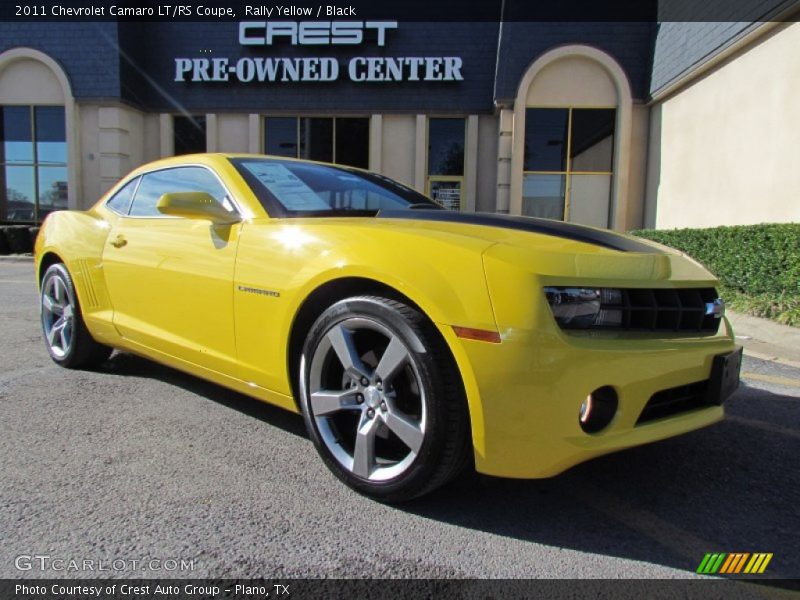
16,258
771,358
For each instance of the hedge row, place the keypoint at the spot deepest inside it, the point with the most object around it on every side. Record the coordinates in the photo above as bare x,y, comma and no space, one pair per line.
17,239
750,259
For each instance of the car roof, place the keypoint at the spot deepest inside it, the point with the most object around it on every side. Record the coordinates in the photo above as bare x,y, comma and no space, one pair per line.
206,157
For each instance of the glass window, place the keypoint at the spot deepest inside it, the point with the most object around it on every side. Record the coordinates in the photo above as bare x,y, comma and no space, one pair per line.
568,163
121,201
52,189
280,136
343,141
589,197
51,146
592,147
287,188
20,193
546,139
446,140
446,147
352,142
189,135
543,196
180,179
33,162
316,139
446,193
16,134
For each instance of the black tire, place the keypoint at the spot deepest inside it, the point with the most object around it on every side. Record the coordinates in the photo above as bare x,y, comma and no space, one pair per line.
429,377
81,351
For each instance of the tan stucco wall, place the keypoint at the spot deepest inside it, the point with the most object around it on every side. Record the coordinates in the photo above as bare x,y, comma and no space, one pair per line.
233,132
90,151
572,81
637,175
728,144
150,138
486,181
28,81
398,147
114,139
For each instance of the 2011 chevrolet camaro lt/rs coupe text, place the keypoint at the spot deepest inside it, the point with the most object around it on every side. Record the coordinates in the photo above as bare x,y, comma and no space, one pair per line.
412,339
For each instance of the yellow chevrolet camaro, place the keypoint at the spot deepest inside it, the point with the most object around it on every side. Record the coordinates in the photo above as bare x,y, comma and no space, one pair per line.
412,339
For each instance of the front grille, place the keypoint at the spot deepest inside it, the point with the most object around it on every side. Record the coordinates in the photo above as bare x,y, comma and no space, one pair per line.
660,310
675,400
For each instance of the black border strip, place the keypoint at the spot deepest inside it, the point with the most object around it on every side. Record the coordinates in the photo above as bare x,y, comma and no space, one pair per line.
429,11
384,589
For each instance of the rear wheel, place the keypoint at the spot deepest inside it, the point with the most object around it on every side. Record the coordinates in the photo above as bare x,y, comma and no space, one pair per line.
382,400
68,340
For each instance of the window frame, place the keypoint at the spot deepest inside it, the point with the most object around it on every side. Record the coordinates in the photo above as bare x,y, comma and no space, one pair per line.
35,164
296,117
569,172
275,208
141,174
431,179
191,117
118,189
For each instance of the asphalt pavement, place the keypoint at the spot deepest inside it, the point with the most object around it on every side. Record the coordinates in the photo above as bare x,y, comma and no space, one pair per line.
138,462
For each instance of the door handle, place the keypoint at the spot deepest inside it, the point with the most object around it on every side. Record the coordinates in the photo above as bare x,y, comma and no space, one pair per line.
119,241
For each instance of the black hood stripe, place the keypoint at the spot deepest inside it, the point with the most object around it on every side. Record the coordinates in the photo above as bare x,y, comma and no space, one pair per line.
568,231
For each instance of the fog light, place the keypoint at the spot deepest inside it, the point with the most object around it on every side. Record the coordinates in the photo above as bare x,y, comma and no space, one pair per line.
598,410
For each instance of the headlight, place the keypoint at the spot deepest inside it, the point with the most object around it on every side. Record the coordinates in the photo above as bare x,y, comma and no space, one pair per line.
582,308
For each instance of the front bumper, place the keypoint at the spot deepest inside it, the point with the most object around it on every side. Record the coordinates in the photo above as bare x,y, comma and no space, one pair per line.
525,394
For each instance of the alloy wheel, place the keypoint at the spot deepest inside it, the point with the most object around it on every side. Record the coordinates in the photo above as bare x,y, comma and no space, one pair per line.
58,315
366,399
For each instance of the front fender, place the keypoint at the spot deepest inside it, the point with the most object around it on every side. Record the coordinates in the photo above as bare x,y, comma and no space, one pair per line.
444,278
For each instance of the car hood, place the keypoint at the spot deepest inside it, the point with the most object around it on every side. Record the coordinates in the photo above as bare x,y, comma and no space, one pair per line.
490,223
557,248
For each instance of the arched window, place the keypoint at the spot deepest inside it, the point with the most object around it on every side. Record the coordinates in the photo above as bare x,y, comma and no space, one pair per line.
571,137
34,139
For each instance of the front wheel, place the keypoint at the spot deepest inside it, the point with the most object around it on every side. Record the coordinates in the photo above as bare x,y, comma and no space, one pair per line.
68,340
382,399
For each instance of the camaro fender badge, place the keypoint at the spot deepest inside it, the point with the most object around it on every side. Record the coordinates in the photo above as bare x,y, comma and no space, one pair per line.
716,308
252,290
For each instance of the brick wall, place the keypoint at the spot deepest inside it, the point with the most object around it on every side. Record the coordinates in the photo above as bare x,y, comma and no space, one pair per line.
86,51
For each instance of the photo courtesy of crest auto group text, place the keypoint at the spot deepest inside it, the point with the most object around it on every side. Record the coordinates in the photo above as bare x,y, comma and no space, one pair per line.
392,299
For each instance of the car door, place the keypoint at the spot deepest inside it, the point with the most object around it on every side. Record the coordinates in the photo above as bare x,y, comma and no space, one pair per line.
170,279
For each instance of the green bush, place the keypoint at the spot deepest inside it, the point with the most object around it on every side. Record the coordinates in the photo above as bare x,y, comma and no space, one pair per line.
757,265
753,259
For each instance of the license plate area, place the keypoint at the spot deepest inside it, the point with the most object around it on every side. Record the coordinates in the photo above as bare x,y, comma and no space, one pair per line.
724,378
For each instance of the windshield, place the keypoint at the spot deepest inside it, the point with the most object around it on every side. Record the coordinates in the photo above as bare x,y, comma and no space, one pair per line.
297,189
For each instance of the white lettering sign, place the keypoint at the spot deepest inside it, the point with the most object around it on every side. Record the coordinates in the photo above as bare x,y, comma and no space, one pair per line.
359,69
311,33
373,69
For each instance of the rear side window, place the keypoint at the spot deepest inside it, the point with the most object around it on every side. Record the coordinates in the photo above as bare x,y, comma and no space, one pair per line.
121,201
180,179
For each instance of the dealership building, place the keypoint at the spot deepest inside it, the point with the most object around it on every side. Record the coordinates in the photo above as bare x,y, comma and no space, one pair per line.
614,124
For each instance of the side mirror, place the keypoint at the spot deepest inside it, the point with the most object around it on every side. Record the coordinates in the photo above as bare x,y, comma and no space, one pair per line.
195,205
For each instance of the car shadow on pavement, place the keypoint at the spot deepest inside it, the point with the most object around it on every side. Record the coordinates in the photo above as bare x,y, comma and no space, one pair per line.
130,365
733,487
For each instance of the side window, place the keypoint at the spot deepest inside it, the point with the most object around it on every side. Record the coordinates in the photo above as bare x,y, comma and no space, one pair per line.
179,179
121,201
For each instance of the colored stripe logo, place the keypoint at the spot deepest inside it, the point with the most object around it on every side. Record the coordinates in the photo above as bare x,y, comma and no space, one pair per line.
734,563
